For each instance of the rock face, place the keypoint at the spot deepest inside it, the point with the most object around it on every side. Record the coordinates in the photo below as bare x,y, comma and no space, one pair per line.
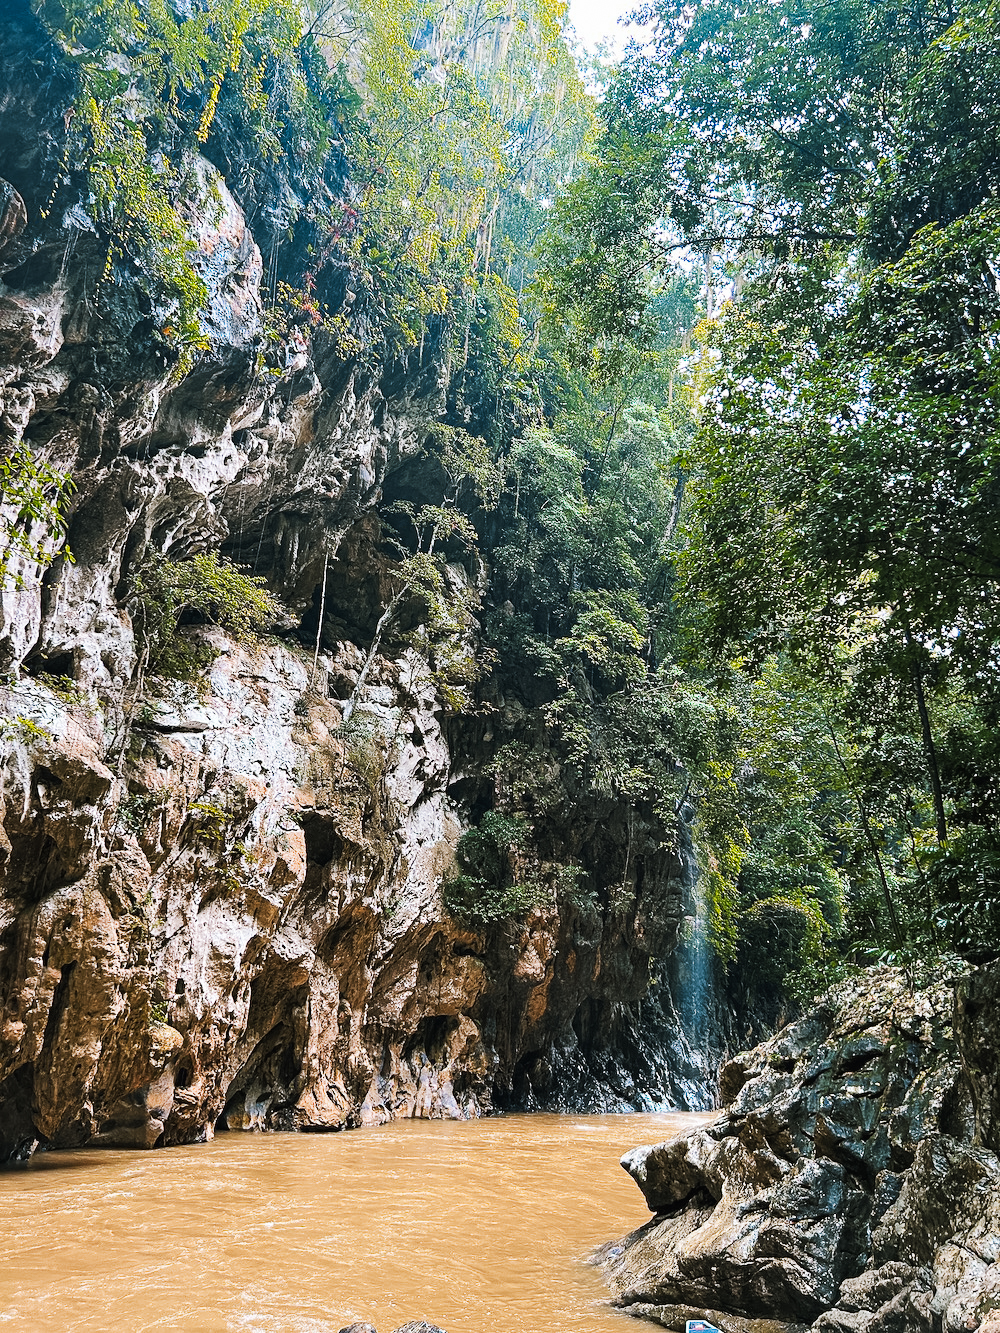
219,906
240,925
851,1184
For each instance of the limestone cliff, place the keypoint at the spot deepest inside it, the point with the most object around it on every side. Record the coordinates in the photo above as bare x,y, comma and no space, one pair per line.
220,907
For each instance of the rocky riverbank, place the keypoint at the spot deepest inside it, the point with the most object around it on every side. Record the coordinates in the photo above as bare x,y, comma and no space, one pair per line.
851,1184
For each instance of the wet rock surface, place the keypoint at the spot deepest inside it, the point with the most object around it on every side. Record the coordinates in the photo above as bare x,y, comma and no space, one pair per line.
850,1183
677,1317
419,1327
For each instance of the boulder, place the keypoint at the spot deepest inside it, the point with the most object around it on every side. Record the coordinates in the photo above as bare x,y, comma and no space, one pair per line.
847,1186
676,1317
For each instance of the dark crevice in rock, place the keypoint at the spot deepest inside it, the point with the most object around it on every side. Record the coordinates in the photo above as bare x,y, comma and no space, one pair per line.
323,843
18,1136
57,1007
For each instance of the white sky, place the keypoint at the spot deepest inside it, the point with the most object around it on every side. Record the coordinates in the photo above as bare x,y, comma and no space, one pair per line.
597,20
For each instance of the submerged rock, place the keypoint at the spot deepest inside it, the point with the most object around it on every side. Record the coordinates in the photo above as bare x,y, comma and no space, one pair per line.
419,1327
851,1183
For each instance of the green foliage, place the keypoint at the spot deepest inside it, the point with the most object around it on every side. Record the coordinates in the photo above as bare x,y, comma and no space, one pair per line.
136,810
364,747
207,587
719,836
964,878
585,626
858,441
570,883
149,80
470,114
207,822
842,511
22,730
588,505
609,635
444,633
491,885
66,691
766,131
34,499
785,951
836,165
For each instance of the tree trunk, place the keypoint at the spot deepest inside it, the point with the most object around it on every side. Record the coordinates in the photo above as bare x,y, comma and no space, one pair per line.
322,609
384,621
890,906
930,750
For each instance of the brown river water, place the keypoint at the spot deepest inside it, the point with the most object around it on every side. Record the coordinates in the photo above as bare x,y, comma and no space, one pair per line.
480,1227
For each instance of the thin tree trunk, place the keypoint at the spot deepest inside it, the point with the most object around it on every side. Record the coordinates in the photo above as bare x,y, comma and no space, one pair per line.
890,906
384,621
322,609
930,750
675,509
709,288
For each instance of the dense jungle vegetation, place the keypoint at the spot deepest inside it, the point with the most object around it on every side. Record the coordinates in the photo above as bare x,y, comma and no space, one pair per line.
723,418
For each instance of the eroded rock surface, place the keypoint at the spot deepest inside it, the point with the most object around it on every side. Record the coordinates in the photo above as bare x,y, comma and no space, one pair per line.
219,908
851,1184
237,923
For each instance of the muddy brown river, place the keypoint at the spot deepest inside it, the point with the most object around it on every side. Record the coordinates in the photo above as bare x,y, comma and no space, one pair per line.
482,1227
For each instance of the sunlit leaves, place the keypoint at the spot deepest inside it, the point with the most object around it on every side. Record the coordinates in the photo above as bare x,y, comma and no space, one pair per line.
206,585
470,114
34,499
139,70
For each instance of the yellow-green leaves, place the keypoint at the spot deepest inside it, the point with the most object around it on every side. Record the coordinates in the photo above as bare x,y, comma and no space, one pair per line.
207,585
146,78
470,115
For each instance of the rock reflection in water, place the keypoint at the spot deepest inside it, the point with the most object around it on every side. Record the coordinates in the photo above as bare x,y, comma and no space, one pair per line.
478,1227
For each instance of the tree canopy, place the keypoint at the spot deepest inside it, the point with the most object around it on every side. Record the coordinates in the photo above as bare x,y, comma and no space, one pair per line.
831,171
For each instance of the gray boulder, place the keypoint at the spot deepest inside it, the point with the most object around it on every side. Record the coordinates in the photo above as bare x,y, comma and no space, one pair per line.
850,1185
419,1326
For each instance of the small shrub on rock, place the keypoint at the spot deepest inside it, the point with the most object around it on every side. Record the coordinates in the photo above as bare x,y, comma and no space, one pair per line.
206,587
488,886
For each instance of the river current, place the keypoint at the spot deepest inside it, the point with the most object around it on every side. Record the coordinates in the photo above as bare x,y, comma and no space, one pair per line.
480,1227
